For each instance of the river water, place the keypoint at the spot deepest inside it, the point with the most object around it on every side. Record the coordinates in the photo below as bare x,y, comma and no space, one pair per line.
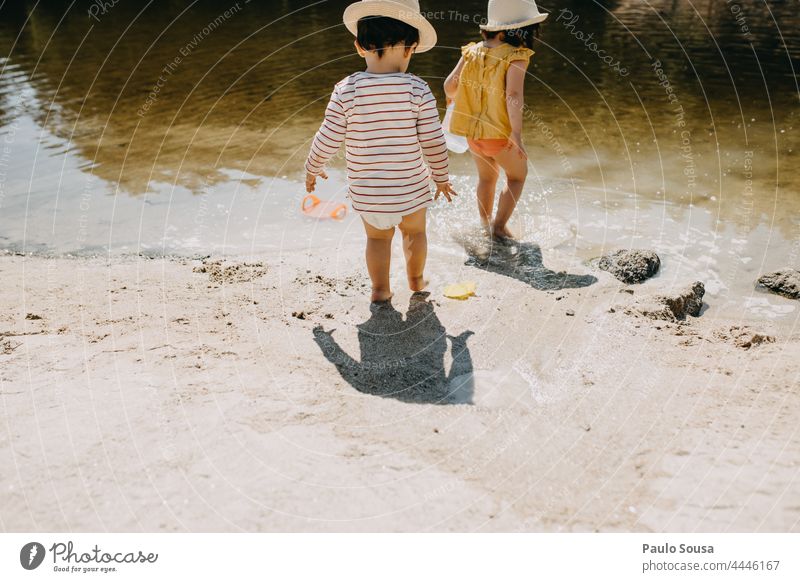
181,128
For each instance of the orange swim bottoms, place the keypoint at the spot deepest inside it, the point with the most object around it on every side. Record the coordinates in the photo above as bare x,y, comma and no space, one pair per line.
488,148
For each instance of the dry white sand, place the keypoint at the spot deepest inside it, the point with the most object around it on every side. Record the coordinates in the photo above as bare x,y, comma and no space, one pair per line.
150,395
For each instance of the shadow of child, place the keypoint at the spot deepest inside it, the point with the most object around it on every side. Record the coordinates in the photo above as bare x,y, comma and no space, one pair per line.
519,260
404,358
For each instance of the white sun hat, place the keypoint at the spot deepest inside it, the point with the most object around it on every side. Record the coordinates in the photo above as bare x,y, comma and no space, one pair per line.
510,14
403,10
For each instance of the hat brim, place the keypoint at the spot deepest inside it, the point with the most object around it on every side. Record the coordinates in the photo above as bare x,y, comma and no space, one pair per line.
496,27
359,10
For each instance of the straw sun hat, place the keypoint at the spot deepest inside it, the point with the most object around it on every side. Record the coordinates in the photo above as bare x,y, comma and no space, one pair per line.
403,10
509,14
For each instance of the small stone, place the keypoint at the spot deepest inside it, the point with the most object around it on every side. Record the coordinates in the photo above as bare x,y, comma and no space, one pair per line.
570,313
785,282
672,307
630,265
33,316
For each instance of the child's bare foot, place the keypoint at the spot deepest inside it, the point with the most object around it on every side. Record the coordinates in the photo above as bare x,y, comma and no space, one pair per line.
417,283
381,295
503,233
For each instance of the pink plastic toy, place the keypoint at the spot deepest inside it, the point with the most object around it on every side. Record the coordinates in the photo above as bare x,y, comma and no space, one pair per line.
316,208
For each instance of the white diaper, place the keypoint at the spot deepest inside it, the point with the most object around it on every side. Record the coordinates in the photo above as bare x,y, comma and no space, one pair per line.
382,221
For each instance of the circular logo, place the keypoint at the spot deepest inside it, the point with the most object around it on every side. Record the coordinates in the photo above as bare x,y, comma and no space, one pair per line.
31,555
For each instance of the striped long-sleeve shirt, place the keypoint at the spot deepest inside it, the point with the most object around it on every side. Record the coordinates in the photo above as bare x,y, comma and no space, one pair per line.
393,141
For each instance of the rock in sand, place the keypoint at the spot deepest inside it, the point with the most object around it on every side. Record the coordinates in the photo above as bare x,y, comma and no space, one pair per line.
672,307
785,282
630,265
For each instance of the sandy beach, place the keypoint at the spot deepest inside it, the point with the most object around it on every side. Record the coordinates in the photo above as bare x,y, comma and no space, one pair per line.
173,394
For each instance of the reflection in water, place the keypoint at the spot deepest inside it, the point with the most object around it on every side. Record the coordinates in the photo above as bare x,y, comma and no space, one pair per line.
143,96
404,359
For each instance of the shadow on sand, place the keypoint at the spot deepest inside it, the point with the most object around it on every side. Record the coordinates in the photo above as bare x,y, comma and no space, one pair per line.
519,260
404,358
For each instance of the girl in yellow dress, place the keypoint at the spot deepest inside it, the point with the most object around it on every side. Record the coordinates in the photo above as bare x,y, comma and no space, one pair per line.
487,86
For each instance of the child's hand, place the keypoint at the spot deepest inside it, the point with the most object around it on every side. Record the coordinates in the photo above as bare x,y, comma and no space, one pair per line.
311,180
515,144
445,188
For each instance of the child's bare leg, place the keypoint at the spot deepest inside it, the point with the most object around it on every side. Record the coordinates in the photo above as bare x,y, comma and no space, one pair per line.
379,257
415,247
516,169
488,173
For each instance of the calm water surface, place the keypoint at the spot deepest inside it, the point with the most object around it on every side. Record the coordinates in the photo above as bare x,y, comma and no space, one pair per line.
166,127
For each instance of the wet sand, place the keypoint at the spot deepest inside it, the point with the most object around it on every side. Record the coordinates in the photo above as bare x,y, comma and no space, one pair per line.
263,394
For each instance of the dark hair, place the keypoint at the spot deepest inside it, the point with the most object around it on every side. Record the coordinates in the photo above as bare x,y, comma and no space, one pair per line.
516,36
378,32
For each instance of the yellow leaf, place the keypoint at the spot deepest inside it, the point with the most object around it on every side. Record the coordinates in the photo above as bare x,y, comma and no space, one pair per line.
461,290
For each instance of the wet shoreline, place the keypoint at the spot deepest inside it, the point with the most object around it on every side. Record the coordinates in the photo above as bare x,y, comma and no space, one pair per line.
680,156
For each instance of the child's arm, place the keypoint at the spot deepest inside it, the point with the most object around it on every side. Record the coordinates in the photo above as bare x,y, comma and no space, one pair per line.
433,144
451,83
327,141
515,102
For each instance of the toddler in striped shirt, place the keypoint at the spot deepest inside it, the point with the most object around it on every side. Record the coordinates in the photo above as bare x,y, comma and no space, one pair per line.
394,145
